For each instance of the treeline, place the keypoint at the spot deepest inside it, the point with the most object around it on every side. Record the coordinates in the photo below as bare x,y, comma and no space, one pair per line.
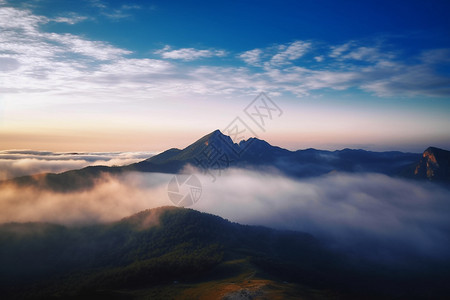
160,245
166,245
40,259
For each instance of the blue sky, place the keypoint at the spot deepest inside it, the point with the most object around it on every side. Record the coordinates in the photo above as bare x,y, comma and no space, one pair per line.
145,76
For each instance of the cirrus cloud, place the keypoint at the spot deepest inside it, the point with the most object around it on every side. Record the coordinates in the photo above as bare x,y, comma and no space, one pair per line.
47,65
189,54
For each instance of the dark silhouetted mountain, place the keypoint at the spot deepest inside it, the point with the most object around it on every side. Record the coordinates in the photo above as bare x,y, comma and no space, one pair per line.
82,179
434,166
174,160
216,151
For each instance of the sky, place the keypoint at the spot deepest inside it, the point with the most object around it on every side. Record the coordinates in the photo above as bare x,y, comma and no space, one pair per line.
94,75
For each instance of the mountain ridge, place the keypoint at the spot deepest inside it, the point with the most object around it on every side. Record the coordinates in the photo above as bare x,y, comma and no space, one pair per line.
154,246
167,252
254,152
216,151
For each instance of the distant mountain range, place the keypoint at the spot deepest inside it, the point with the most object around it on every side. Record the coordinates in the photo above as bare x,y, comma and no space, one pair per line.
217,151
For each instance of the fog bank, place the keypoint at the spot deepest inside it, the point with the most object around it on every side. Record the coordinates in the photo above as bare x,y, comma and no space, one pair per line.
380,216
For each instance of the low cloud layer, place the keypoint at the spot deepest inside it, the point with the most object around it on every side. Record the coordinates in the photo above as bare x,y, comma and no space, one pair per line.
379,215
14,163
111,199
373,215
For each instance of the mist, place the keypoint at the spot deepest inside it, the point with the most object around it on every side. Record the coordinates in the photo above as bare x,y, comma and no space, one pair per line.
15,163
111,199
373,215
380,216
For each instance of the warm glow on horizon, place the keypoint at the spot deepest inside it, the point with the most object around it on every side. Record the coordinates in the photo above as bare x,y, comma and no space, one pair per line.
64,87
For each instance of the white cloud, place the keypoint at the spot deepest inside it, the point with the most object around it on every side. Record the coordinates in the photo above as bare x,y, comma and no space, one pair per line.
112,198
376,216
8,64
381,216
70,19
436,56
51,64
132,67
276,55
337,51
189,54
369,68
319,58
354,50
408,80
290,52
368,54
14,163
301,81
93,49
15,19
131,6
46,66
97,3
252,57
114,13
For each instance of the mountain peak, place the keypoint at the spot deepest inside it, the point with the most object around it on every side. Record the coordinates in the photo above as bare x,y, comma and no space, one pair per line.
216,134
214,137
434,165
436,151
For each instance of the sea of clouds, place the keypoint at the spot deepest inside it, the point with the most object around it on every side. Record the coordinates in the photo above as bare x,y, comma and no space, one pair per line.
370,214
14,163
